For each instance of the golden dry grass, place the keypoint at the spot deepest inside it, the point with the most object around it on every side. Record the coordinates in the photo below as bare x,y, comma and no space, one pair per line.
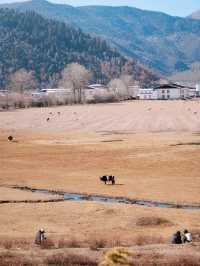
146,165
9,194
71,151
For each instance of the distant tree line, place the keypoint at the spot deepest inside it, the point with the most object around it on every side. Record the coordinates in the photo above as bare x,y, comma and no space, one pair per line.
71,88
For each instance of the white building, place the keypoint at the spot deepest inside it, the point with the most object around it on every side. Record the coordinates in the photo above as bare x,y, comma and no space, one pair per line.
168,92
198,89
174,91
134,91
51,92
147,94
95,89
3,92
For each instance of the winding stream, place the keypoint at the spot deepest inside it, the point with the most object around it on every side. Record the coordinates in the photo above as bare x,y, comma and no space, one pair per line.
66,196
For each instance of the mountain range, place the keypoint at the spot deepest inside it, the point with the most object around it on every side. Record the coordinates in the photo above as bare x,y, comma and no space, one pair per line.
162,42
195,15
191,76
43,46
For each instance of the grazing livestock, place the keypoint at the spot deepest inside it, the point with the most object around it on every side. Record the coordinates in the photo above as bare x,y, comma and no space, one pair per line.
48,119
10,138
106,179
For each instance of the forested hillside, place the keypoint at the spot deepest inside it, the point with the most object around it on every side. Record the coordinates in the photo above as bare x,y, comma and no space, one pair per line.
29,41
164,43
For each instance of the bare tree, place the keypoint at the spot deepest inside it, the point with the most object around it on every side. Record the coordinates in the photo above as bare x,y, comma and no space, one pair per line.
22,80
75,77
118,87
128,82
132,85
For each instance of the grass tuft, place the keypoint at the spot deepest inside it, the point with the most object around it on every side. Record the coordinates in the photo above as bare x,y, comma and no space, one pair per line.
153,221
70,260
70,243
47,244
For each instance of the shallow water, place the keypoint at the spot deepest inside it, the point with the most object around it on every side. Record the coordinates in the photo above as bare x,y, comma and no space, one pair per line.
112,200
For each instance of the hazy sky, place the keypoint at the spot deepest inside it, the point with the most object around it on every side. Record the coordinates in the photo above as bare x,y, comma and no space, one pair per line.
173,7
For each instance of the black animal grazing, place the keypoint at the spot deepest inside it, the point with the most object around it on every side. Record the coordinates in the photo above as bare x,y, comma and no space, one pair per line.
111,178
106,179
48,119
10,138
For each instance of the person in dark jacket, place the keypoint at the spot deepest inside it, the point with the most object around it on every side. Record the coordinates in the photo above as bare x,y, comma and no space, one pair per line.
40,237
176,238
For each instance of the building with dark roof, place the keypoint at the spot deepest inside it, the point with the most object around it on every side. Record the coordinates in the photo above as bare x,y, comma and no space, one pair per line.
174,91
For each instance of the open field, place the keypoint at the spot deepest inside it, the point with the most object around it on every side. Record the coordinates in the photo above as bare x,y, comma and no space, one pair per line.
9,194
137,116
153,148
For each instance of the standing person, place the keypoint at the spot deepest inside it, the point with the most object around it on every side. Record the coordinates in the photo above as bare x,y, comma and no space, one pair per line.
40,237
176,238
187,237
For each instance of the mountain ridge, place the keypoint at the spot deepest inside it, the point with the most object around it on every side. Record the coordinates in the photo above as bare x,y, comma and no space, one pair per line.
30,41
195,15
161,42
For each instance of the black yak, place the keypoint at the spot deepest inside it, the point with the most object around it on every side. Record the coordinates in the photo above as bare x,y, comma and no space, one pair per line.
109,178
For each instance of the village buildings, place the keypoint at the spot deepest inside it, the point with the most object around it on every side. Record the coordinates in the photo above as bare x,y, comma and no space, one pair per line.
168,91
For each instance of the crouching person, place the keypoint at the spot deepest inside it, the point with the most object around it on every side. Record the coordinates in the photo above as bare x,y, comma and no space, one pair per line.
187,237
176,238
40,237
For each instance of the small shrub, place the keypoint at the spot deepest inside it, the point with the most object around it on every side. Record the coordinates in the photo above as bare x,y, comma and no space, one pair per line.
7,259
196,235
141,240
184,261
62,243
70,243
47,244
116,242
7,244
96,244
153,221
156,259
117,256
19,243
104,98
70,260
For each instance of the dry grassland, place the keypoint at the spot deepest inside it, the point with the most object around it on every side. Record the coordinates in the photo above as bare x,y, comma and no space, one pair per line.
136,142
